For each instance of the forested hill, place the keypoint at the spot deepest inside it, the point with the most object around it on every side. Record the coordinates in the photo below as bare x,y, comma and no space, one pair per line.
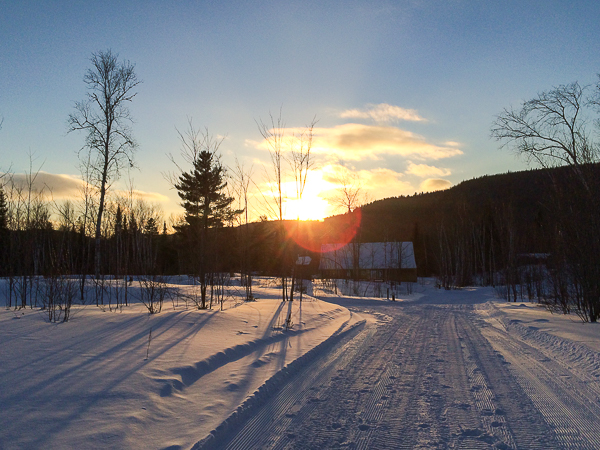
525,195
521,203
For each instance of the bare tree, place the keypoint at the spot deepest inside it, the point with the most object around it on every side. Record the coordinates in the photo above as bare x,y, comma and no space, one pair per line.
243,178
553,129
301,162
274,136
350,196
105,118
299,146
350,193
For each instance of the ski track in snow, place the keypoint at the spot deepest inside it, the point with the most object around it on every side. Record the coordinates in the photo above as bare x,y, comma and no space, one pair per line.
431,376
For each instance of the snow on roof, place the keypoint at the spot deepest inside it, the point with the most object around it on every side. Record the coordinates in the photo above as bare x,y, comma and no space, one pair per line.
371,255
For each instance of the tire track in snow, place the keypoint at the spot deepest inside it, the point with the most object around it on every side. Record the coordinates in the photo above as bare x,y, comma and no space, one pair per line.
426,378
279,410
299,419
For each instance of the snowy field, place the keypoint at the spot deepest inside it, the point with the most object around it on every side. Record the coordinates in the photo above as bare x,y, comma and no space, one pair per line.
101,381
435,369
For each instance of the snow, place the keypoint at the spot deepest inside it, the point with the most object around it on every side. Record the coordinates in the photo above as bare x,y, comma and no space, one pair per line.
102,381
538,320
436,368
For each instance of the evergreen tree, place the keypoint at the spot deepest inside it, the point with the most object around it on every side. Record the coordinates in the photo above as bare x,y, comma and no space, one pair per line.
151,227
206,206
201,190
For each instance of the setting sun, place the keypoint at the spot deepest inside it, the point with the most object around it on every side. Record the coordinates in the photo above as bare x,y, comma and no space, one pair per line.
308,208
313,204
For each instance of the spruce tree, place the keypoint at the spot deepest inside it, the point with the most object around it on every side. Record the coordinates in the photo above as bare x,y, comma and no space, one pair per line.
201,190
206,206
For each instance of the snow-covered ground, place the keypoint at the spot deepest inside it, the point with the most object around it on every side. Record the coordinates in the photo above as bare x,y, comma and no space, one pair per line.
127,379
435,369
440,369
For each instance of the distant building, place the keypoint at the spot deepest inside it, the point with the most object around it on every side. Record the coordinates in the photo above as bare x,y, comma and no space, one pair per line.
387,261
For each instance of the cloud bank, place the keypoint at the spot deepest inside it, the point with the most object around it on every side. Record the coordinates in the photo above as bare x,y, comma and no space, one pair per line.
356,142
58,185
62,186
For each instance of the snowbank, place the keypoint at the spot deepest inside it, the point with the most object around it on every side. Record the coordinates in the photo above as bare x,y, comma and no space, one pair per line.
561,337
132,380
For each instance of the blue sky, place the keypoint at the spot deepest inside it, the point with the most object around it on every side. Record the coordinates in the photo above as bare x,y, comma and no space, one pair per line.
412,85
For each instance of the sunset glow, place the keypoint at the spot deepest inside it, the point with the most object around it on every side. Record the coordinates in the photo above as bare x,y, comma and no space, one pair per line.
308,208
313,205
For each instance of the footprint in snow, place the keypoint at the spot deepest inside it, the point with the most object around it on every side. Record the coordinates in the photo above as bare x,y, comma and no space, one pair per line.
471,432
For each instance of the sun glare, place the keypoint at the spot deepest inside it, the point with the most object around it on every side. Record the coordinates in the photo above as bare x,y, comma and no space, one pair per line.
312,206
308,208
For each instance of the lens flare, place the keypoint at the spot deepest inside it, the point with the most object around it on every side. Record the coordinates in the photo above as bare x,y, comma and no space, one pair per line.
338,231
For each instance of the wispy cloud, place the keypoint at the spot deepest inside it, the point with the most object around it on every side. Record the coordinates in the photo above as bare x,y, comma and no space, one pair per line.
375,183
435,184
423,170
356,142
149,196
58,185
383,113
62,186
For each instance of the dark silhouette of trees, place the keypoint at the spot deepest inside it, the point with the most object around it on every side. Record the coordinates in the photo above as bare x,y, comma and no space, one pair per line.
553,129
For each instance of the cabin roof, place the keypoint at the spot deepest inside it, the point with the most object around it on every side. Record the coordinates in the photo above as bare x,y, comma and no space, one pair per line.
371,255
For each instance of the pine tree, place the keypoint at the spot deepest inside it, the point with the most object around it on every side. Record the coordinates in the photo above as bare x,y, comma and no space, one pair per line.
201,189
206,206
151,227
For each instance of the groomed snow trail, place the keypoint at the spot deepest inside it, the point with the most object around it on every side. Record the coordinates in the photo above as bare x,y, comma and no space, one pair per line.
427,375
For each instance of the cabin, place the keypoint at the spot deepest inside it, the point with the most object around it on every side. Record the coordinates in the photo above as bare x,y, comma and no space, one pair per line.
385,261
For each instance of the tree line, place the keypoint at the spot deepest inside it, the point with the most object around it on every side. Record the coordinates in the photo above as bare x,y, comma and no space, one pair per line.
533,234
106,237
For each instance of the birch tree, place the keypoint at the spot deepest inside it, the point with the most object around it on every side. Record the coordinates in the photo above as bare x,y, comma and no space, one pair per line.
105,118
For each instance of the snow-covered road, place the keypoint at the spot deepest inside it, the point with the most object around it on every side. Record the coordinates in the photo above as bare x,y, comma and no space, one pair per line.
439,372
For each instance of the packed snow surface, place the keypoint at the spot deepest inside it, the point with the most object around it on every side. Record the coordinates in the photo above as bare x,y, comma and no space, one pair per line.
435,369
439,369
127,379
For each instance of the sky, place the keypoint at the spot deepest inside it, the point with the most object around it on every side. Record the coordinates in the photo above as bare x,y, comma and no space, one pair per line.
403,92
